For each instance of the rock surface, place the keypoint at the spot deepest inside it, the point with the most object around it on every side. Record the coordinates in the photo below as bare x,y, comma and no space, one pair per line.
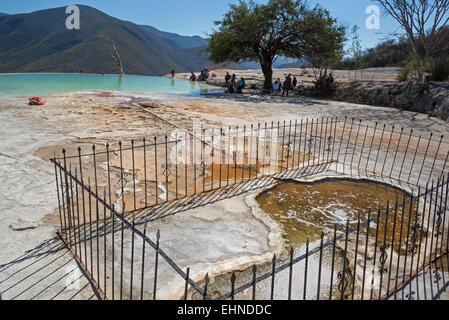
34,264
374,86
430,98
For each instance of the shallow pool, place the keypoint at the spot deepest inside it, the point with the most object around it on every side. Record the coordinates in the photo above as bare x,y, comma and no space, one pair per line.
44,84
307,209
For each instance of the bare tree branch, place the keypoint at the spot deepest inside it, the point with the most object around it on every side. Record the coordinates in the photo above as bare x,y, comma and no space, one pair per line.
423,21
114,54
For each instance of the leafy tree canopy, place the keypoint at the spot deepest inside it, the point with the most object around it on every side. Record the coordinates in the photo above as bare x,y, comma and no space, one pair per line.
322,40
262,32
257,32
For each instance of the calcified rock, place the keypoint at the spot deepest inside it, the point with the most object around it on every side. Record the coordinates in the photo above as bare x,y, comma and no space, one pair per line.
22,225
431,98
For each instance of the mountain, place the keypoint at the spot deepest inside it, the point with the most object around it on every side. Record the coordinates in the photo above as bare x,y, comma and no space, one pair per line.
3,14
188,50
40,42
187,42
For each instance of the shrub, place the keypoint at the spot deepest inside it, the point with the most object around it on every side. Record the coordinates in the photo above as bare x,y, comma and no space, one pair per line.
439,69
412,71
325,85
403,74
378,101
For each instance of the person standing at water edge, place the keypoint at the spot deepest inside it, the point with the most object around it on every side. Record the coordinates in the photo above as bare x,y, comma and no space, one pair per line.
173,73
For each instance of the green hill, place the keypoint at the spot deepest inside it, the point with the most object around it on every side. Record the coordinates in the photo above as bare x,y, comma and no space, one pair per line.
40,42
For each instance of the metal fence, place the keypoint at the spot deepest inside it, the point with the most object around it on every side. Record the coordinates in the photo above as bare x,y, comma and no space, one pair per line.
372,258
108,195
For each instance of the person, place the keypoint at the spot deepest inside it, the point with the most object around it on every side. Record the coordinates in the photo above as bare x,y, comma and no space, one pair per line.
276,86
234,79
102,74
201,76
241,85
280,84
192,77
287,85
231,88
227,78
204,75
173,73
294,83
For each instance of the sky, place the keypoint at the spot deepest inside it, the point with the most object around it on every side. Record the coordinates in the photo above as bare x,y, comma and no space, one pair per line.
196,17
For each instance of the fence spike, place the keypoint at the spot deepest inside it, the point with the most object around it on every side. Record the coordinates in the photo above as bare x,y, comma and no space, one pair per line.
254,270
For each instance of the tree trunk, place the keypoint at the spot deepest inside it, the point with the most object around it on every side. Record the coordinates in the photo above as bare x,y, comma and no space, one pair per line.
268,75
115,55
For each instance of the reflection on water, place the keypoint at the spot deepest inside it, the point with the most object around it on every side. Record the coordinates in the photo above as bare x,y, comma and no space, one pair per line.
307,209
119,83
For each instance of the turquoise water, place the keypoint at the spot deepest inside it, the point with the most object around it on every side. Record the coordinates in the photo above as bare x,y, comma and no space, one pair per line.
44,84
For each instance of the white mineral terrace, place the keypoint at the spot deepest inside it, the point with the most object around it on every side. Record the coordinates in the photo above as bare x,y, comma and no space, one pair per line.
217,238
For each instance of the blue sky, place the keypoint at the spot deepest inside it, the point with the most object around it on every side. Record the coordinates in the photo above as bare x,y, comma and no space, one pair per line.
196,17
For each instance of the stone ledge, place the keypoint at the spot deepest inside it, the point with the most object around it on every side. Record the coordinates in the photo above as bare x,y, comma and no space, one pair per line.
430,98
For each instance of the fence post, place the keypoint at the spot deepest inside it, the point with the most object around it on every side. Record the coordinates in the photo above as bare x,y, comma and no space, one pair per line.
273,272
254,270
290,275
158,236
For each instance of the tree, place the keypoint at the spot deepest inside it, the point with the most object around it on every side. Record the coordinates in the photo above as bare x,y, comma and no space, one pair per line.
322,45
321,42
113,53
356,51
423,21
257,32
356,46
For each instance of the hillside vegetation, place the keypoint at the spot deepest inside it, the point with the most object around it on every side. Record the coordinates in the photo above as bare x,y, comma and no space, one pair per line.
391,53
40,42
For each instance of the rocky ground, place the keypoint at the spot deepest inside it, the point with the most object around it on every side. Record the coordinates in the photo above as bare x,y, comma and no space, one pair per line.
374,86
255,77
430,98
33,264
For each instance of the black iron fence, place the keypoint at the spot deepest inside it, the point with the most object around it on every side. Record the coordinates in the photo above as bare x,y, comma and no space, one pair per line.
371,258
108,195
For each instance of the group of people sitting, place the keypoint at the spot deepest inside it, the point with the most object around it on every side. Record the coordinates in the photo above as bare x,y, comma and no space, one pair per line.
204,75
236,87
285,87
232,85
